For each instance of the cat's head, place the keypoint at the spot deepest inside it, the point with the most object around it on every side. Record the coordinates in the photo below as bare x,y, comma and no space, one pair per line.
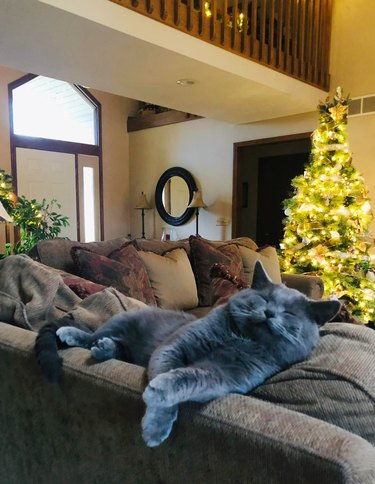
284,310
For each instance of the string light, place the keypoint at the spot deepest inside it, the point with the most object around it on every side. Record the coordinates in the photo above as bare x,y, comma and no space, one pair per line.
327,229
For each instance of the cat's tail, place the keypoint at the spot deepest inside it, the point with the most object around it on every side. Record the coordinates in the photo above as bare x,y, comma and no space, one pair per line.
46,349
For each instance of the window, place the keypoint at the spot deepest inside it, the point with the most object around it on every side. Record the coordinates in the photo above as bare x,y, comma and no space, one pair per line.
52,109
50,118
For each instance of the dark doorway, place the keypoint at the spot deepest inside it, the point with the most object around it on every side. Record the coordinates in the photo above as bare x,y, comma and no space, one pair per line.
263,170
274,176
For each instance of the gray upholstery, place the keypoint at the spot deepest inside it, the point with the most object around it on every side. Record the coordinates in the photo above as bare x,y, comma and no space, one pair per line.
87,430
311,424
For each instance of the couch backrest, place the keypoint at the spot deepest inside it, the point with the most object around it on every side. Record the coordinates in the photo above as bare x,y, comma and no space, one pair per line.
56,252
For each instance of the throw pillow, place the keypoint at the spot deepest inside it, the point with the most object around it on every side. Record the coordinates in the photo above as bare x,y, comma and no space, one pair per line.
224,284
268,257
82,287
172,279
204,255
129,276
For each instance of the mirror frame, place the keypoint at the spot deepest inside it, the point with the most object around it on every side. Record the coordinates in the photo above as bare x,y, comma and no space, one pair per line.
188,178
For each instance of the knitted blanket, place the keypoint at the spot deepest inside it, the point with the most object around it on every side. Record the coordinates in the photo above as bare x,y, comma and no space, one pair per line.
32,294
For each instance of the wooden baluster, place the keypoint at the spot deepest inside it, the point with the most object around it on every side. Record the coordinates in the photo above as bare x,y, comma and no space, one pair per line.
327,25
245,34
319,47
213,19
149,6
176,12
287,63
201,16
224,29
234,31
189,16
254,28
279,32
315,41
301,39
163,10
309,42
295,37
262,40
271,36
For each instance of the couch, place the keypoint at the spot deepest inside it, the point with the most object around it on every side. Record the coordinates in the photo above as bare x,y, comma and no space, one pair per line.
313,423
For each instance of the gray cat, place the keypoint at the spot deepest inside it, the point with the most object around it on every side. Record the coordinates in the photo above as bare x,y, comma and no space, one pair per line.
259,332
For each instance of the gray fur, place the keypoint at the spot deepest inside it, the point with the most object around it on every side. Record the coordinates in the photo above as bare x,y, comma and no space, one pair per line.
258,333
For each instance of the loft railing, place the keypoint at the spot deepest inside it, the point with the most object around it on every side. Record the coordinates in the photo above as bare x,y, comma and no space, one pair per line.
290,36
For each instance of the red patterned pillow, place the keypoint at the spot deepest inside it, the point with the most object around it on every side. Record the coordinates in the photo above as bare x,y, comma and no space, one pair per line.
128,276
82,287
224,284
203,256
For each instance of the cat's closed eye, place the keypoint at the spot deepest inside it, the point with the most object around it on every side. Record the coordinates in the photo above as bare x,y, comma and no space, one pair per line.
290,314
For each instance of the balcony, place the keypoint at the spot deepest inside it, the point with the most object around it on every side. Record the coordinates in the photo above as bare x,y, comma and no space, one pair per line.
115,49
290,36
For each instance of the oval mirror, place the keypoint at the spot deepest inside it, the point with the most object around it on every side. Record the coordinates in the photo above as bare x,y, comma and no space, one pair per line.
173,194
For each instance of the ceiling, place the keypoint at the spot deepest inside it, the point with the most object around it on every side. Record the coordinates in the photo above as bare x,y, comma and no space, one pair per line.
99,44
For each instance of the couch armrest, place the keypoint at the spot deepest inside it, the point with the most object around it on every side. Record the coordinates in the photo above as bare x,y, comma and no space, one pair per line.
311,286
92,422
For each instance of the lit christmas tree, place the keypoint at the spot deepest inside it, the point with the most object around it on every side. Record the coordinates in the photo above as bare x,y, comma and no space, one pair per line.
327,229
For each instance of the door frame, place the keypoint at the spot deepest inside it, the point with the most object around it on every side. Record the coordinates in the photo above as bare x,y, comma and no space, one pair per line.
236,160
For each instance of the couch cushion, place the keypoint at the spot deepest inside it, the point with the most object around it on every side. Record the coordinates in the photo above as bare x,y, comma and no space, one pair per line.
204,255
224,284
57,252
268,257
128,276
161,246
80,286
172,279
336,383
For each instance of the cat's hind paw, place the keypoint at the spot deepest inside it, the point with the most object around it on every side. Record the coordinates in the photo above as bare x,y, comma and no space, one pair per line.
72,336
104,349
157,424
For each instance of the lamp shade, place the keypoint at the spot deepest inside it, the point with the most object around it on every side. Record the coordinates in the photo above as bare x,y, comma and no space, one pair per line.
197,201
4,214
142,202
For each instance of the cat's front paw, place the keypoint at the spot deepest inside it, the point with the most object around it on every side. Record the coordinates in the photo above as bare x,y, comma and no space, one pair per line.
157,424
103,349
68,335
160,391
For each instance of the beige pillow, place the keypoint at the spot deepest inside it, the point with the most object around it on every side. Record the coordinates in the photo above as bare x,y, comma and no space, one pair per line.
267,256
172,279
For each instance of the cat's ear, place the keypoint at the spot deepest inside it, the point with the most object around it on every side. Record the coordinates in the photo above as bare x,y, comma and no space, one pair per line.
324,311
260,277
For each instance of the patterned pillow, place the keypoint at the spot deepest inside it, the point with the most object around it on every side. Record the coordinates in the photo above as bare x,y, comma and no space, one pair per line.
128,276
203,256
224,284
82,287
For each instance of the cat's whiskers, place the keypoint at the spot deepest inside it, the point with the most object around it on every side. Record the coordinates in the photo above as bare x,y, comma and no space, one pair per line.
281,330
